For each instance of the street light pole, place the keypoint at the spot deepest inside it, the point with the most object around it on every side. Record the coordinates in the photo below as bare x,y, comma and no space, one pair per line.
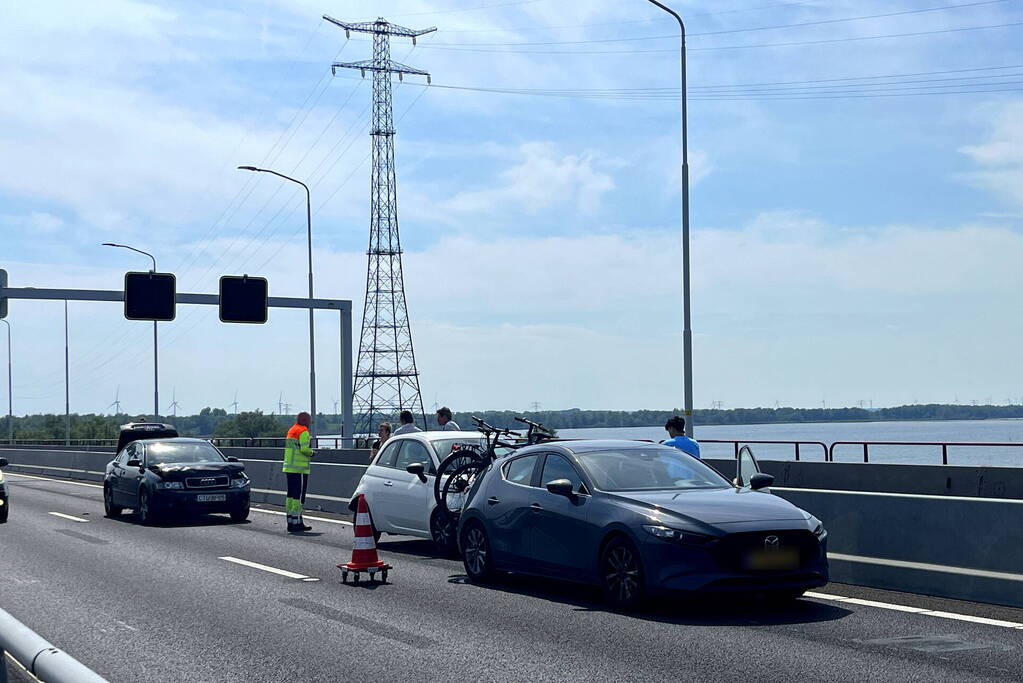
156,352
67,381
687,330
10,387
309,244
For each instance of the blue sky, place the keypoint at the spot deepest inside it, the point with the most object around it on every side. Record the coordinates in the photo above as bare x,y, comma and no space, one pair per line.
857,201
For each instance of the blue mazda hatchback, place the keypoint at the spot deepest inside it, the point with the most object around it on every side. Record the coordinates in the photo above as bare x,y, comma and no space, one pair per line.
637,519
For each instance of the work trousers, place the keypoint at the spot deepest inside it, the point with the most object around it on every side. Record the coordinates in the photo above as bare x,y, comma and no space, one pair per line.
297,484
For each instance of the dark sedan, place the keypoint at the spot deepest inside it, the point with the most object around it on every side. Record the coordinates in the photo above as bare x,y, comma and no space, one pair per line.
158,477
638,519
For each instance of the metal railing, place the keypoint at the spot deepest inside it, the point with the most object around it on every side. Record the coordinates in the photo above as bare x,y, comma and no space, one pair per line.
944,445
795,444
38,657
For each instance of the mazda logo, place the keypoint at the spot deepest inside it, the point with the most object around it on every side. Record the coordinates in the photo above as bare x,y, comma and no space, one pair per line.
772,542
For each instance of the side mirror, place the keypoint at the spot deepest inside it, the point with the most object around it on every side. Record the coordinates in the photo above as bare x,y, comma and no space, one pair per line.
561,487
231,458
417,469
4,462
134,463
760,480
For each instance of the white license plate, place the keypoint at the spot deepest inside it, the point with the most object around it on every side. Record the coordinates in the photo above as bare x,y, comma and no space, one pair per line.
211,498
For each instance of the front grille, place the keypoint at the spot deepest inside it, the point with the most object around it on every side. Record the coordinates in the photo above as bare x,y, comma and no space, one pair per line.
220,481
732,551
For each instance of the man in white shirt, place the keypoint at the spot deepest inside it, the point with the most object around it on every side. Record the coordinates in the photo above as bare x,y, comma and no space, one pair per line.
408,424
445,421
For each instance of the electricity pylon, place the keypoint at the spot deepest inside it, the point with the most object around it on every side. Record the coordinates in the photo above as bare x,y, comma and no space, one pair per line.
386,378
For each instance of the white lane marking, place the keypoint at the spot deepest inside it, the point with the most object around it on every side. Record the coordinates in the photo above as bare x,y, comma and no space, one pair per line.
916,610
315,519
319,464
924,566
59,481
48,467
71,517
272,570
925,496
310,495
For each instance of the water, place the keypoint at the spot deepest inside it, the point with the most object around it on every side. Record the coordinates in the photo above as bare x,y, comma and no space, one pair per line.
1002,431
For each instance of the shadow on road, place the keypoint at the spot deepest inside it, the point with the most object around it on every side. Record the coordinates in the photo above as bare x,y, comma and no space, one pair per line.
183,521
682,609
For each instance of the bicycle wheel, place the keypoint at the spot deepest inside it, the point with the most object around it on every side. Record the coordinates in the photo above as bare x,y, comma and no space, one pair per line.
457,487
457,459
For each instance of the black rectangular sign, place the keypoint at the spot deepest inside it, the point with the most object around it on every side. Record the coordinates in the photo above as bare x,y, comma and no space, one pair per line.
243,299
149,296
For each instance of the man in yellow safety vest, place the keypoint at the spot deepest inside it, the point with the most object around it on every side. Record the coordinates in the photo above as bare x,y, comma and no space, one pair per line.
297,454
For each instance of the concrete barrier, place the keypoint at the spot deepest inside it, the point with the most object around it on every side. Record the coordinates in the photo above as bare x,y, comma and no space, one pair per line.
939,530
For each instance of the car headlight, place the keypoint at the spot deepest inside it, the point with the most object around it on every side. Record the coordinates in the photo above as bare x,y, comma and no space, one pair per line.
686,537
818,527
240,482
169,485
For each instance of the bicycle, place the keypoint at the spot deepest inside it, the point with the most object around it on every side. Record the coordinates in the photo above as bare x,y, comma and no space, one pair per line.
460,470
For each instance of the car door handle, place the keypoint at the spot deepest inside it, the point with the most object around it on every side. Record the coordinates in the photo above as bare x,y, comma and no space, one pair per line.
536,507
493,500
387,483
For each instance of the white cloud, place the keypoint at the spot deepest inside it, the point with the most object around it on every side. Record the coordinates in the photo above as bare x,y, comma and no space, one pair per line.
1001,157
542,177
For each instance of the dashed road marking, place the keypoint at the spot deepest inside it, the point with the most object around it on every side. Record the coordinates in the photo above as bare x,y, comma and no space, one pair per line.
71,517
315,519
917,610
272,570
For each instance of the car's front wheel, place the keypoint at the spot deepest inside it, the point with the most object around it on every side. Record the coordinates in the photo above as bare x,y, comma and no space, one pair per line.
443,530
240,514
146,512
476,553
109,508
622,573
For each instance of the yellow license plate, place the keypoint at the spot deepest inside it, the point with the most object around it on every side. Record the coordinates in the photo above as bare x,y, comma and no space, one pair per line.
773,560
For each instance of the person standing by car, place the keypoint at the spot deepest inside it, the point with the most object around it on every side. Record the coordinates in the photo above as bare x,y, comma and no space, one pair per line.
408,424
445,421
384,432
676,426
297,454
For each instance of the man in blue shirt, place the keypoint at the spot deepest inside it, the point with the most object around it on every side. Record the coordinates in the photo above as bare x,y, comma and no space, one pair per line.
676,427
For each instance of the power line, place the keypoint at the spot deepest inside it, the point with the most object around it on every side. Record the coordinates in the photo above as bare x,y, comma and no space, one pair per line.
633,21
674,36
727,47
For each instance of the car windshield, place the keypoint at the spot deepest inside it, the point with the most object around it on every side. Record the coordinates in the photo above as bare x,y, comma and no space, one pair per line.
641,469
170,452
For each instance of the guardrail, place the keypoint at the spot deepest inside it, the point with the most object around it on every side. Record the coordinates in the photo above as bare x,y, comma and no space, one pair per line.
39,658
943,444
796,444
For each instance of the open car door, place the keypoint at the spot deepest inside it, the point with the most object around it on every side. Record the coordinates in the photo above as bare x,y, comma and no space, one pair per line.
748,473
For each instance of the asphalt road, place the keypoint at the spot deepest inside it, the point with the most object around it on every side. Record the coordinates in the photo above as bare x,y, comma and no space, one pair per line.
160,604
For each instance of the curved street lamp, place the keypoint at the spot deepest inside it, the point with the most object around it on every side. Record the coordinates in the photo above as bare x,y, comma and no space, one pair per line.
156,356
309,243
687,330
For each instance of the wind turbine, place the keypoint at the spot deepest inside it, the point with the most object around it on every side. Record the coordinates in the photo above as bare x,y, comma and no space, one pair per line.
280,404
174,403
116,405
234,404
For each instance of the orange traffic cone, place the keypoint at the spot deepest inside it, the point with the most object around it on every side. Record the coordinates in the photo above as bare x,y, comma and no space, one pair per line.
364,550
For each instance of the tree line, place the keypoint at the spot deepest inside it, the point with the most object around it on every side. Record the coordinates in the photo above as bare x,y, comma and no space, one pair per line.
217,422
